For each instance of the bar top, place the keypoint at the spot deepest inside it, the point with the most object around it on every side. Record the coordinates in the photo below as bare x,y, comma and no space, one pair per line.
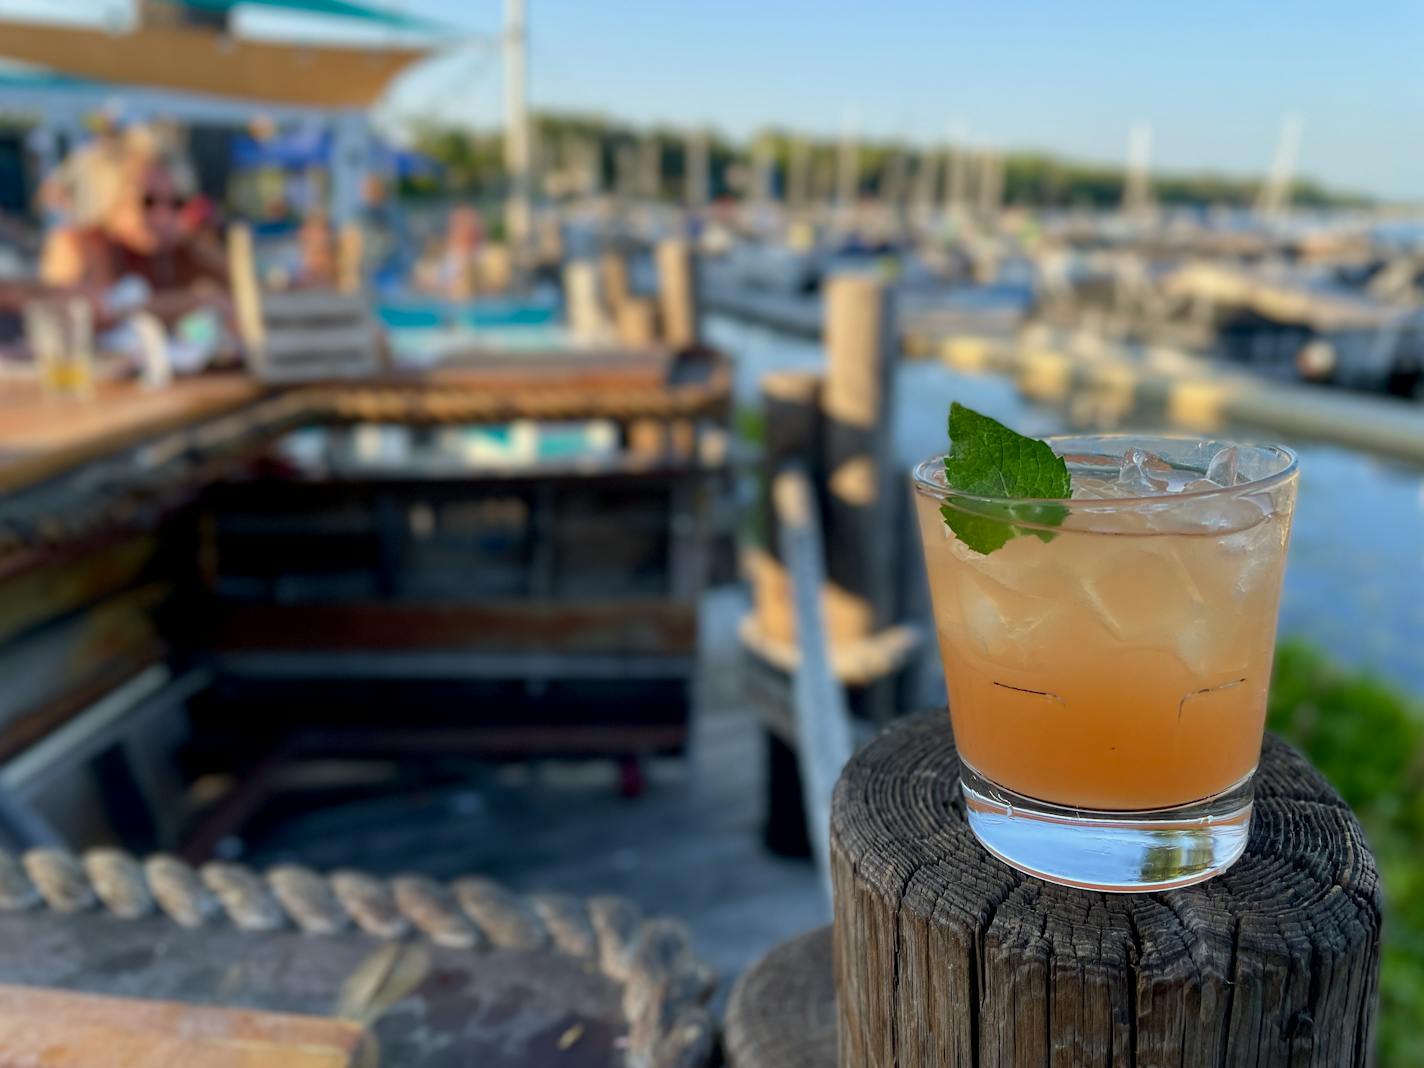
41,437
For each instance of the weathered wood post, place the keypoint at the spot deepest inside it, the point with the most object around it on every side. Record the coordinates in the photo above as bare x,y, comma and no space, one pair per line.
583,308
865,497
677,294
945,957
636,322
613,273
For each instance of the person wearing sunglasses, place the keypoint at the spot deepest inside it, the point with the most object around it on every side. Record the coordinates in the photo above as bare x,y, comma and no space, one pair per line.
141,253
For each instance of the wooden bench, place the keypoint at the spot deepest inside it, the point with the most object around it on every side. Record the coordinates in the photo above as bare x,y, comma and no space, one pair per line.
944,956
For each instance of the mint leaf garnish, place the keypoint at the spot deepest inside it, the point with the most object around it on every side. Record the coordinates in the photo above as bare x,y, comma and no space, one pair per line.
987,459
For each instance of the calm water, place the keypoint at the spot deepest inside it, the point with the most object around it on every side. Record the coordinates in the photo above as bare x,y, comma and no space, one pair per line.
1355,581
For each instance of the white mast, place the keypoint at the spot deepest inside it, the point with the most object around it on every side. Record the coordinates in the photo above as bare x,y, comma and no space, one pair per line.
798,176
848,170
1275,194
1137,188
956,186
516,124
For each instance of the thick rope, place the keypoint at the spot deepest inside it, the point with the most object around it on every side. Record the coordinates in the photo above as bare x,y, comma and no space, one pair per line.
664,985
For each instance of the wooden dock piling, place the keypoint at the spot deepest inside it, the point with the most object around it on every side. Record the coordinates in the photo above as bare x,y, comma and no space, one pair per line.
864,497
613,274
677,294
945,957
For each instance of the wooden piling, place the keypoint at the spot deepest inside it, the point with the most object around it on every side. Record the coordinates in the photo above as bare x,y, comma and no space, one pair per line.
613,273
636,322
677,294
945,956
942,956
586,318
864,496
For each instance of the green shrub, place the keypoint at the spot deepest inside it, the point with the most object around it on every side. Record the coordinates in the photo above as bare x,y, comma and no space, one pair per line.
1368,739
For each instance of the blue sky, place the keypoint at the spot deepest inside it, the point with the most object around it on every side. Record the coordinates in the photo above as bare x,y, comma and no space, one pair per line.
1214,79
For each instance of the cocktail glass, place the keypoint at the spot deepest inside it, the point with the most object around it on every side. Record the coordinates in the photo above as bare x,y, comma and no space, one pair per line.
1107,667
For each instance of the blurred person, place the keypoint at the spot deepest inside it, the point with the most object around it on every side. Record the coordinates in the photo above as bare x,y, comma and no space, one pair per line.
140,253
316,252
78,190
149,264
451,268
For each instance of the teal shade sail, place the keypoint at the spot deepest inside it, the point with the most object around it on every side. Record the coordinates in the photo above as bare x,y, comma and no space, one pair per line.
346,9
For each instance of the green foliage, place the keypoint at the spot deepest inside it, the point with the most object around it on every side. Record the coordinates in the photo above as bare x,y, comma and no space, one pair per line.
473,162
1368,739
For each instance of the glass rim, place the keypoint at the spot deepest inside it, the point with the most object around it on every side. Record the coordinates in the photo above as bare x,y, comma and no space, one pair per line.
926,484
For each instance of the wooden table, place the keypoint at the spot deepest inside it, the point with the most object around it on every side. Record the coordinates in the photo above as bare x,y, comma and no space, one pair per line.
945,956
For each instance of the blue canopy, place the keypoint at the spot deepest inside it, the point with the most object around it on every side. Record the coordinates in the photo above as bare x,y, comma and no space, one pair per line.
311,147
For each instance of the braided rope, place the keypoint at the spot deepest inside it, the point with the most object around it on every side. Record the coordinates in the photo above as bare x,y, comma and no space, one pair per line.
665,986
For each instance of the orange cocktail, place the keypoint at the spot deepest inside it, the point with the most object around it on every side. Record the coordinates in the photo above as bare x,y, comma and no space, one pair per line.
1116,663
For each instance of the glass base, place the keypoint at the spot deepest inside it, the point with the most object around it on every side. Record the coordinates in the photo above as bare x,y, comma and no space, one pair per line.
1119,852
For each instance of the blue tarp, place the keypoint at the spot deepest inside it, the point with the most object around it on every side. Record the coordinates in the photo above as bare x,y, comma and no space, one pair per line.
311,147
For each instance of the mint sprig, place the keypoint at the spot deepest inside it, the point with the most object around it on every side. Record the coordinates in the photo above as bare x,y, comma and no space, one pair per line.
987,459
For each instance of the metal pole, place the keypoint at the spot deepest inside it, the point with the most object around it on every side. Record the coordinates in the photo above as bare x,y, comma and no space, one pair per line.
848,171
956,187
1137,189
798,176
351,163
698,178
516,125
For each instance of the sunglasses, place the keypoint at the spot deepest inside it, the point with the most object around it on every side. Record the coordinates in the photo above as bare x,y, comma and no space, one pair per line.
172,203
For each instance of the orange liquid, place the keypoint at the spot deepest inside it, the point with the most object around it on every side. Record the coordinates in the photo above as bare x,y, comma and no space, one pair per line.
1116,671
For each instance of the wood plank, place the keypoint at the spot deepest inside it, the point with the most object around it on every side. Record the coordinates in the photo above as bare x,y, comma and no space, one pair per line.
54,588
452,1008
627,626
822,719
61,1029
43,670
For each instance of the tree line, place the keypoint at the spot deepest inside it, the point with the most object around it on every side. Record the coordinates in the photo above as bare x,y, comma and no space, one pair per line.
572,149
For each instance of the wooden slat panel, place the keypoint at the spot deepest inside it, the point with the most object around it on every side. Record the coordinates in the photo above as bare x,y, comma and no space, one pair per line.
301,304
51,590
312,344
627,626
